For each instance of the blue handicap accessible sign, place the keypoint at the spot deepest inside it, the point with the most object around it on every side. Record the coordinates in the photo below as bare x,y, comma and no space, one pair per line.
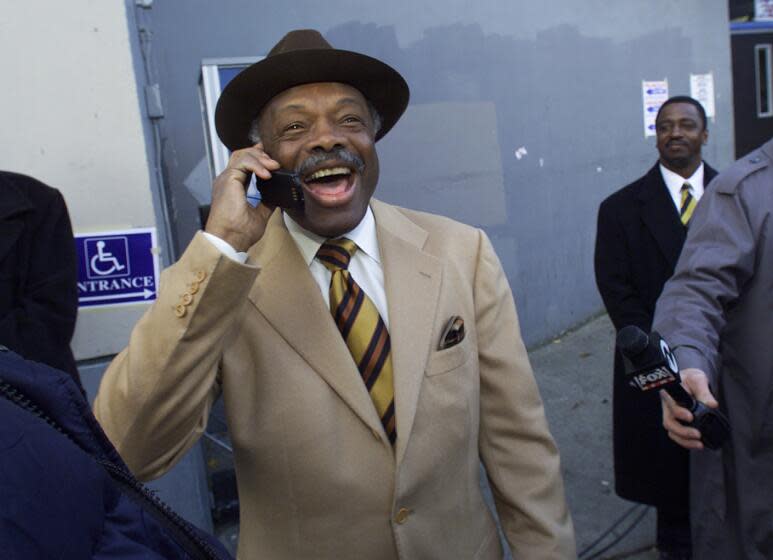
117,267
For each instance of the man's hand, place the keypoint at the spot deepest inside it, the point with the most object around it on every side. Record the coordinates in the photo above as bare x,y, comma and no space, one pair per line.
231,217
696,383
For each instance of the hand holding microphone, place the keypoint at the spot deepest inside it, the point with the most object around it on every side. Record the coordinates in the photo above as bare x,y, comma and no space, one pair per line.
676,419
650,364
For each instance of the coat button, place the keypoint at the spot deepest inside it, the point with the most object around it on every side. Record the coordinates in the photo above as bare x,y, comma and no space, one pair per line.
402,516
186,298
200,275
179,310
193,288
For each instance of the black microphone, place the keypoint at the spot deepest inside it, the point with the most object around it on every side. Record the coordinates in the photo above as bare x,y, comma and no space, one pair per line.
650,364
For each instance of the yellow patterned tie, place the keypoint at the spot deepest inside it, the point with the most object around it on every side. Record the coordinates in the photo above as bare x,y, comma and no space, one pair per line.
363,329
688,204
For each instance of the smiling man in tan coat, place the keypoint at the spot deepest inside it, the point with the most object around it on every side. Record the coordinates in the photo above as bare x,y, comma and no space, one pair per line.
364,379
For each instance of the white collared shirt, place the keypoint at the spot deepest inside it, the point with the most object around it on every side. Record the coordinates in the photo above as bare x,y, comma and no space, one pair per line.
674,182
365,266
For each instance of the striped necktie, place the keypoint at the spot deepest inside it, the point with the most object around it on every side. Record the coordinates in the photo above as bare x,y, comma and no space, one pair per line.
363,329
688,204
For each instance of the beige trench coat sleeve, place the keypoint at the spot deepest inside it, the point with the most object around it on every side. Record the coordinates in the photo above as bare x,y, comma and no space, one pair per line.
516,447
155,397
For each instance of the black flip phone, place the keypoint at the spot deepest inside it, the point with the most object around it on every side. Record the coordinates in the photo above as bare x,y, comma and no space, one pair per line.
283,189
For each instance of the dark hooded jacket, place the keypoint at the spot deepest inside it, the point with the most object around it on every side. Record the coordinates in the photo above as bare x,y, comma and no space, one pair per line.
64,490
38,272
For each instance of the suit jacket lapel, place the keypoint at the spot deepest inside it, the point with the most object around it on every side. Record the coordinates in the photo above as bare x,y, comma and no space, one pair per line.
661,217
288,297
708,174
412,283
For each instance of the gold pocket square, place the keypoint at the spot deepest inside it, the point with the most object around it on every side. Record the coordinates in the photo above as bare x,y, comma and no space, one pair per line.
453,333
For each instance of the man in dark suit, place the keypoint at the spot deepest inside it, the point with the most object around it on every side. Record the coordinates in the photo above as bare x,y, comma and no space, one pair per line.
38,274
641,230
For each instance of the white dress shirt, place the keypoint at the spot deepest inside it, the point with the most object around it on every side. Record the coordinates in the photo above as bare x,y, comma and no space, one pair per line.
674,182
365,266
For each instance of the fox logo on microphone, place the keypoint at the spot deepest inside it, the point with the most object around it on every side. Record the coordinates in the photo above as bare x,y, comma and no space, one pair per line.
669,356
653,379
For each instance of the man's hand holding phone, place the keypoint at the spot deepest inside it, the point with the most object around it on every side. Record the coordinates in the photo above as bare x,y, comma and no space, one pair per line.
231,217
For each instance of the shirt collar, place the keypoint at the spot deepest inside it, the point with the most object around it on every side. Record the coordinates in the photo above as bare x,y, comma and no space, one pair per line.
364,235
674,181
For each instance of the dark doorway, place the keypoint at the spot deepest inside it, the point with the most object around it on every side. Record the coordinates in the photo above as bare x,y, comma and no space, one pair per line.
752,54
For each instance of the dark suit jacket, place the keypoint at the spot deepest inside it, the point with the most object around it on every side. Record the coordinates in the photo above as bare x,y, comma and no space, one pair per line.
638,242
38,277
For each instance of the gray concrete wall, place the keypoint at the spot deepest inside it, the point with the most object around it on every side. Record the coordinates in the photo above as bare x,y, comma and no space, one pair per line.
558,82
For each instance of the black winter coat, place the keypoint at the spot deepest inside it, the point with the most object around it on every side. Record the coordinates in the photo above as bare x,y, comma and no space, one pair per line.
38,274
638,242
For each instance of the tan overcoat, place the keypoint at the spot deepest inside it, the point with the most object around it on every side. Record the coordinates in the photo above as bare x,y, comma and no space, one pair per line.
317,477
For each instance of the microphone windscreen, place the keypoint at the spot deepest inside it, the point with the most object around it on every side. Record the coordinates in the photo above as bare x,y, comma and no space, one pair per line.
632,341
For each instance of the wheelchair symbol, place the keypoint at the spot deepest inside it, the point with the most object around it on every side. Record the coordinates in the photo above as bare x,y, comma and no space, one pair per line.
104,263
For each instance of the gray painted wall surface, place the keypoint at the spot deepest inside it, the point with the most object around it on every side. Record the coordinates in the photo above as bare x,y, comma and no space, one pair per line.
560,79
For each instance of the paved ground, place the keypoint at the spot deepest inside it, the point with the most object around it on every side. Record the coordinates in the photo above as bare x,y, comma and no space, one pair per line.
574,374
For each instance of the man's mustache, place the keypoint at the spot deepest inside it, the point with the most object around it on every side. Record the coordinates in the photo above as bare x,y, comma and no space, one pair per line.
337,155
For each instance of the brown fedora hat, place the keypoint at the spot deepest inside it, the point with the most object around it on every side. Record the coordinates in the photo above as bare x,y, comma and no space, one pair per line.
305,57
